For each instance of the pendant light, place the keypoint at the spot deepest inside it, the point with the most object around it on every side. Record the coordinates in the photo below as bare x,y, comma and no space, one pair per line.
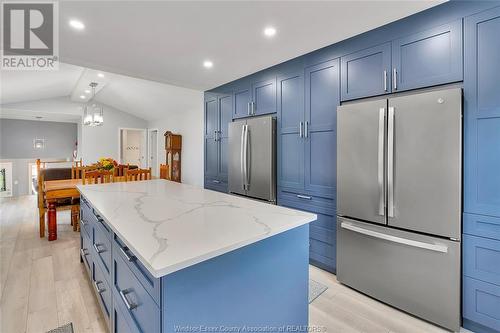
93,112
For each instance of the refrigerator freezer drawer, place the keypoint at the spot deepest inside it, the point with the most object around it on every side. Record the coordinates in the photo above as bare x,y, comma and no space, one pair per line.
416,273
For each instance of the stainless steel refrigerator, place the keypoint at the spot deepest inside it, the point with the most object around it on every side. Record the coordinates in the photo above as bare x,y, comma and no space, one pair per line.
252,158
399,202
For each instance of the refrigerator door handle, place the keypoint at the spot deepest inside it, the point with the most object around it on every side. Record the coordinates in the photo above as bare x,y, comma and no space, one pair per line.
381,132
390,162
246,159
242,155
395,239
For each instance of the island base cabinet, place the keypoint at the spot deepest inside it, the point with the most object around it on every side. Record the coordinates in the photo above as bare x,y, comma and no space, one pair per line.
262,285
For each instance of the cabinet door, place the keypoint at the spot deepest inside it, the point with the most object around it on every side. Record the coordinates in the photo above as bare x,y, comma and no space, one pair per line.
290,131
482,113
322,96
211,145
428,58
242,99
225,117
367,72
264,97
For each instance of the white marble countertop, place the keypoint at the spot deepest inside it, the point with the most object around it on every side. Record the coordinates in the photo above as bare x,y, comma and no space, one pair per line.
170,226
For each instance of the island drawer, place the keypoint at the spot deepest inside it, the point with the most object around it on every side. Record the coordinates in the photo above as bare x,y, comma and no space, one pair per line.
85,217
101,246
85,253
103,291
148,281
138,307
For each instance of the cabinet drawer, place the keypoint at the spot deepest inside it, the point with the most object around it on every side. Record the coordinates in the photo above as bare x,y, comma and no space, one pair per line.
307,202
86,219
149,282
322,262
136,303
481,225
86,253
481,302
103,291
481,258
321,234
101,247
324,249
120,324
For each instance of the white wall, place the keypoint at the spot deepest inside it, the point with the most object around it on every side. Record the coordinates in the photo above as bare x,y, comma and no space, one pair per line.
103,141
189,123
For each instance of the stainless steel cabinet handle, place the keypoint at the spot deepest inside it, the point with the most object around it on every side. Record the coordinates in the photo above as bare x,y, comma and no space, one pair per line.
248,109
82,252
395,239
215,136
96,247
390,162
253,108
381,132
96,286
128,256
215,181
395,78
301,133
123,295
82,222
306,129
242,155
385,80
306,197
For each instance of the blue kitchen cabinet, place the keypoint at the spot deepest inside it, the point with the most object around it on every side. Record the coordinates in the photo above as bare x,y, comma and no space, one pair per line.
242,99
322,97
225,117
254,98
291,131
481,241
211,144
428,58
482,113
218,114
366,72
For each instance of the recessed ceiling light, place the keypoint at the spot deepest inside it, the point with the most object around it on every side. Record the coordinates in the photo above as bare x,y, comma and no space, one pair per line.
75,24
270,31
100,75
208,64
82,96
87,91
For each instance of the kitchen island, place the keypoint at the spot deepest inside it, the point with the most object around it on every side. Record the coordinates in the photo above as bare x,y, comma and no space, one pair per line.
170,257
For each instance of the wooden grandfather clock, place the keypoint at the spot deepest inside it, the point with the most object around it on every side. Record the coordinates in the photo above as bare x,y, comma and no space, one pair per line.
173,147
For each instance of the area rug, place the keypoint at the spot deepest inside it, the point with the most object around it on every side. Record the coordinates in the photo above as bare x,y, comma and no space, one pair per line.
68,328
315,289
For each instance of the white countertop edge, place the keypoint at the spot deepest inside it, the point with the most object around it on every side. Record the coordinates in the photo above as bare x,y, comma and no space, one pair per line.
196,260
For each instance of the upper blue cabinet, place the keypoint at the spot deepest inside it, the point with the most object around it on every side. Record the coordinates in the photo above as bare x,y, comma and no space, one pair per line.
420,60
367,72
482,113
428,58
254,98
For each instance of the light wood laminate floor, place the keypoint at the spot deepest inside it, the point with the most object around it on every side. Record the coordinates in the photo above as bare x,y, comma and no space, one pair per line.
43,285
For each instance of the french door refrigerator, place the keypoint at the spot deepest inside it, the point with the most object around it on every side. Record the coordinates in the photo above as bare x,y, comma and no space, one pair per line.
399,202
252,158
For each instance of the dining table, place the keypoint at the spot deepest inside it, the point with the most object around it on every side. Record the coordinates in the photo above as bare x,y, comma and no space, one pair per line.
55,190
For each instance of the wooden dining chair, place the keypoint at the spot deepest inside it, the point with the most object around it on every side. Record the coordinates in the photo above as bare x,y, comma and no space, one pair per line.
121,169
164,171
96,177
138,174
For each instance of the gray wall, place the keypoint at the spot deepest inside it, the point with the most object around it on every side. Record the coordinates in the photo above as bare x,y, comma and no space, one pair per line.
16,146
16,139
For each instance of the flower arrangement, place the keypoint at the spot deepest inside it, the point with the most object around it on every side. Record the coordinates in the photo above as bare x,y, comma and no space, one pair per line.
106,163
